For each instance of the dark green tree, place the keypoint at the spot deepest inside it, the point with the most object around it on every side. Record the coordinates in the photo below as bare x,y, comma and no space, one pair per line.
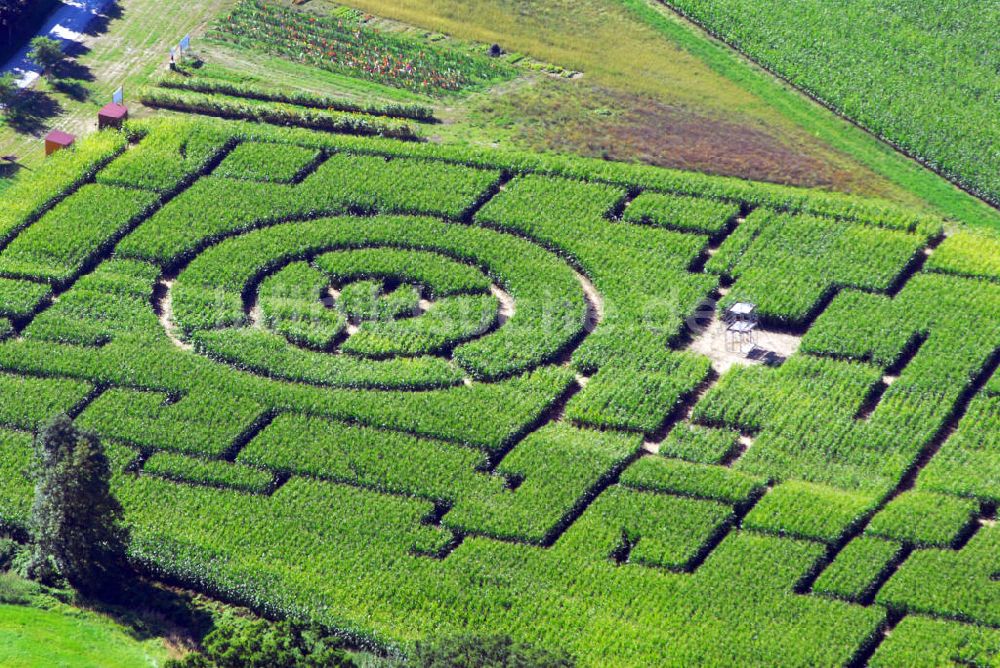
47,53
470,651
77,526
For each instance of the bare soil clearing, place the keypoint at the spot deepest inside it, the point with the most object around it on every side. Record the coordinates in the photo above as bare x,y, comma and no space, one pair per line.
712,342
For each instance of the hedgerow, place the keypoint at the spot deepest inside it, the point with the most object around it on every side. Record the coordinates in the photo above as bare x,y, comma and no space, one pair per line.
34,400
949,323
782,198
857,568
750,398
698,444
804,510
216,207
661,474
165,160
965,465
365,300
112,300
786,265
638,398
289,302
359,299
648,529
269,354
261,111
211,209
402,186
300,98
27,198
74,232
959,584
215,520
213,473
639,270
559,468
687,214
748,570
924,519
279,163
389,461
202,423
486,415
967,253
16,492
19,298
446,323
442,276
550,314
925,642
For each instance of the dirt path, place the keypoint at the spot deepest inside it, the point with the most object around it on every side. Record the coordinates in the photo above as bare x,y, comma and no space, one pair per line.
595,302
166,316
507,307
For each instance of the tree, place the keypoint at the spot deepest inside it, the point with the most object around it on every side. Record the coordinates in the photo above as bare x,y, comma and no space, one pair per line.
77,525
8,90
46,53
469,651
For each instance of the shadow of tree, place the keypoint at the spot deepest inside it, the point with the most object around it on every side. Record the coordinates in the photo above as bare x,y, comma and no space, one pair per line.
9,168
150,610
29,113
70,67
99,24
72,88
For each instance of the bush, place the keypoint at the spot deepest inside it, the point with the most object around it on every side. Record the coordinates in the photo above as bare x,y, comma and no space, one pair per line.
15,590
486,652
237,642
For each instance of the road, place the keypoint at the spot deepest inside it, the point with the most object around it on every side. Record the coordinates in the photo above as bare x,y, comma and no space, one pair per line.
66,24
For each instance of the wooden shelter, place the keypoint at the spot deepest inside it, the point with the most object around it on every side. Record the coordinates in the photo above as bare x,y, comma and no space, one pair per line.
58,140
112,115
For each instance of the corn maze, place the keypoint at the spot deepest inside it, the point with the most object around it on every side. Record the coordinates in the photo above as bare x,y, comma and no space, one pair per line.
404,389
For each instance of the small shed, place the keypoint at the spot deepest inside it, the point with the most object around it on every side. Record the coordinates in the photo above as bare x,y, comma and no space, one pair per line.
112,115
58,140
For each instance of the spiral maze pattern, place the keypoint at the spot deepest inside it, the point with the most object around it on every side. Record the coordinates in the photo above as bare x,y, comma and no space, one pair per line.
401,394
400,302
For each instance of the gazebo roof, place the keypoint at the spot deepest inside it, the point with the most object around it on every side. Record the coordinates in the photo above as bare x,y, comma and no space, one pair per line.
114,110
60,137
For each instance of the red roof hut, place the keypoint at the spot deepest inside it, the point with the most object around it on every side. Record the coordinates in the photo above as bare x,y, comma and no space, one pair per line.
112,116
57,140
